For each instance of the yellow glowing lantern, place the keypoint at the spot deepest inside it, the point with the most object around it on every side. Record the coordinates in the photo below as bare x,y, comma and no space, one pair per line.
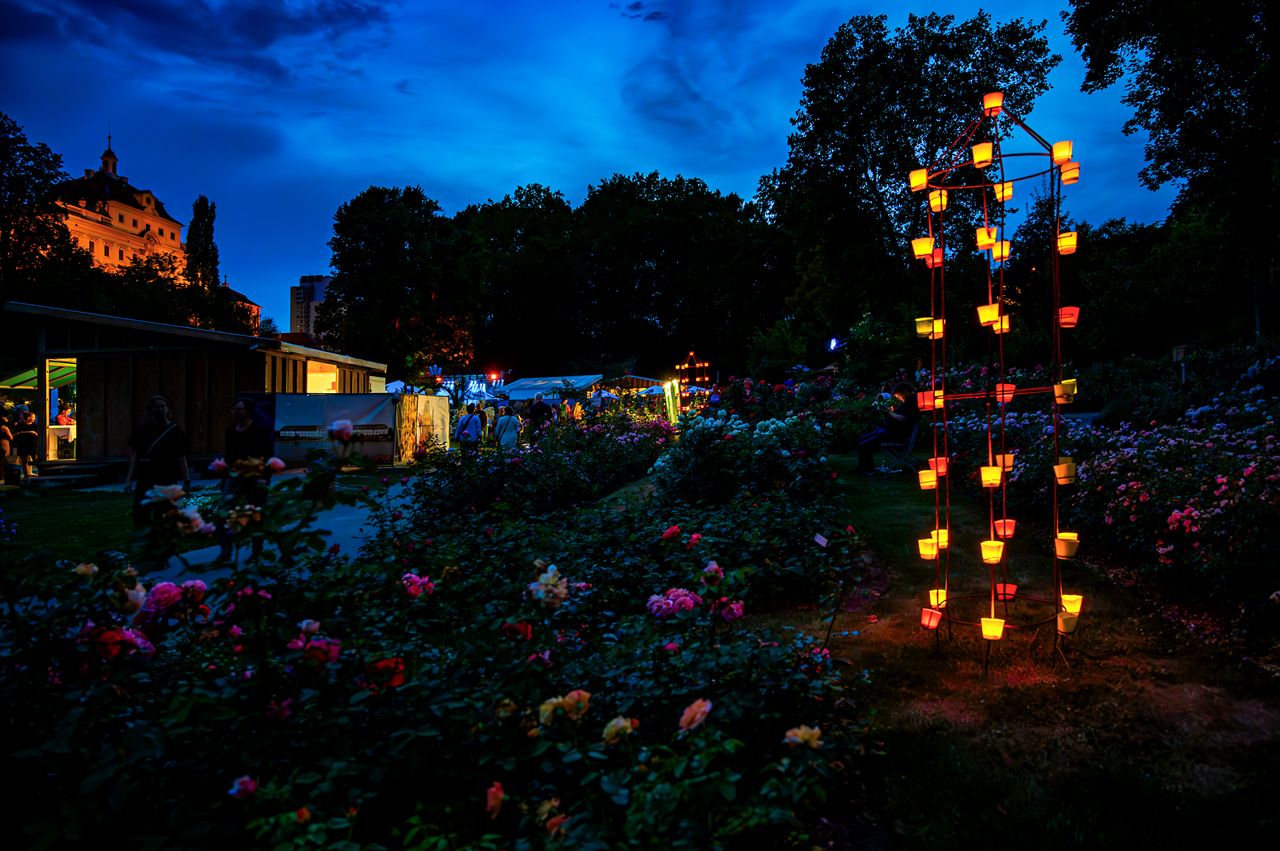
986,238
992,629
1071,384
1004,191
990,476
1067,242
928,480
1064,546
1068,316
1070,173
1005,592
982,154
1064,393
924,400
1005,527
988,314
1061,153
938,200
1067,623
930,618
939,328
924,326
942,537
992,551
919,179
1001,327
938,465
928,548
1004,393
1071,603
937,599
993,103
1001,250
934,260
1065,473
922,247
1005,462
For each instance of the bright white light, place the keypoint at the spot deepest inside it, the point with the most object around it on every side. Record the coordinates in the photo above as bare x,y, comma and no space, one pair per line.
834,343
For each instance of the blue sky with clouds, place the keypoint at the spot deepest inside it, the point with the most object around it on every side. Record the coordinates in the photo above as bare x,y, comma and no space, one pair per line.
280,111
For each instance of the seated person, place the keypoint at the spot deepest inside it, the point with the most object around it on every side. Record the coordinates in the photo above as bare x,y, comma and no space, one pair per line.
897,427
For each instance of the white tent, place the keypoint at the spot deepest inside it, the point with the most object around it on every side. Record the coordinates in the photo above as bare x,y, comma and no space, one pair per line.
525,388
655,390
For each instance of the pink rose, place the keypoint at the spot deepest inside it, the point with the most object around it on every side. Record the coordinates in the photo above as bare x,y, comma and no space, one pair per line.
309,626
218,466
342,430
671,532
243,787
695,714
275,464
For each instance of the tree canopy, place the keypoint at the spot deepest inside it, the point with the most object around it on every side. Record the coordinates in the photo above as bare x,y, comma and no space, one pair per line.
31,220
202,251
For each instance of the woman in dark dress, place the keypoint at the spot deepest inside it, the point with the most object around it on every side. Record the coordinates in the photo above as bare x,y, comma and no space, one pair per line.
159,457
25,436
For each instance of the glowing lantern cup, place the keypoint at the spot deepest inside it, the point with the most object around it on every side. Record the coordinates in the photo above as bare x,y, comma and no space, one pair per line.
1004,393
1004,592
939,327
1071,603
937,599
986,238
1004,528
992,551
924,400
938,200
924,326
1001,327
1067,623
938,465
1064,394
993,103
934,260
918,178
982,154
930,618
990,476
1067,242
1071,385
1070,173
988,314
942,537
922,247
1065,473
928,548
992,629
928,480
1005,462
1061,153
1064,546
1000,251
1004,191
1068,316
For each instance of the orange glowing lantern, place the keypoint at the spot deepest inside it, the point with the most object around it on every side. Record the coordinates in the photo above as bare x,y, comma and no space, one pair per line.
1064,393
1064,546
919,179
1004,393
938,329
992,551
1061,153
930,618
1004,528
922,247
1068,316
1072,603
1067,623
986,238
1004,191
942,537
928,548
1065,473
990,476
937,599
1005,592
992,629
934,260
938,465
938,200
1070,173
982,154
993,103
1001,327
924,400
924,326
988,314
1005,462
928,480
1067,242
1001,250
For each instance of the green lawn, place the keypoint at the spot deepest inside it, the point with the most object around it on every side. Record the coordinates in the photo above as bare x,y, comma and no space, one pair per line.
73,524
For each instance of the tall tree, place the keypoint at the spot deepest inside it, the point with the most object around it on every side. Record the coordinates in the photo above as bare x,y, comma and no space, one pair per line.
877,105
202,251
32,223
405,282
1202,81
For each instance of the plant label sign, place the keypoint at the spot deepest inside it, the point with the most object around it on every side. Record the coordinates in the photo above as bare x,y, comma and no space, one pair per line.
819,540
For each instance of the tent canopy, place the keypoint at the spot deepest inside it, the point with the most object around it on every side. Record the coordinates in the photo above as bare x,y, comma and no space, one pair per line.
60,374
551,385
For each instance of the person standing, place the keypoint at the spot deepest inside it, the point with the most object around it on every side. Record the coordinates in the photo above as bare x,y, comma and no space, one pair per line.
247,441
507,429
490,420
26,435
540,415
158,456
470,428
6,446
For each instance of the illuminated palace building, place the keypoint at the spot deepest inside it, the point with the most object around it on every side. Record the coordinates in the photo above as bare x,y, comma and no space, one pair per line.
117,222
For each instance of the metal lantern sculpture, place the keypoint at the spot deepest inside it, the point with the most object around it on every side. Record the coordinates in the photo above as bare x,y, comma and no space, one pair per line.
975,162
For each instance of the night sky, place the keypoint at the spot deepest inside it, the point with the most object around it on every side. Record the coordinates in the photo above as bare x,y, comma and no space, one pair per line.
281,111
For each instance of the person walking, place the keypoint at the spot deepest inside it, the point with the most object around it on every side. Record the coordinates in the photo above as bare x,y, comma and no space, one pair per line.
248,444
507,429
470,428
26,435
158,456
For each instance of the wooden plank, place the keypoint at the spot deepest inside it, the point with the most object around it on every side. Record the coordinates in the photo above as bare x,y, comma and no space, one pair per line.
117,393
91,412
197,421
146,383
221,395
173,386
